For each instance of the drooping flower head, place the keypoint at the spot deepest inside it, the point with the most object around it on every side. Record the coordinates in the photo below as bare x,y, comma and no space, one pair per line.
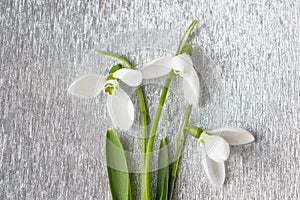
182,65
215,150
119,104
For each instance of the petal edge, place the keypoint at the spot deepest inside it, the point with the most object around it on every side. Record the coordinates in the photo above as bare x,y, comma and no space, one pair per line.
191,87
157,68
131,77
182,63
120,109
87,86
215,171
234,135
216,147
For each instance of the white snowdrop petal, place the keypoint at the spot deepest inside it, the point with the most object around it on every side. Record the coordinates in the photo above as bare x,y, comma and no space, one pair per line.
216,147
87,86
191,87
120,109
113,82
157,68
234,135
131,77
215,171
182,63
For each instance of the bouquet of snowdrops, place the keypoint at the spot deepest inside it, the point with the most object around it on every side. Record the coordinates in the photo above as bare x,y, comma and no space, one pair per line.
214,143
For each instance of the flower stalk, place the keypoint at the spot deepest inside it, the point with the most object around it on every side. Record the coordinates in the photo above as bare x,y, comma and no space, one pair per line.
146,195
180,145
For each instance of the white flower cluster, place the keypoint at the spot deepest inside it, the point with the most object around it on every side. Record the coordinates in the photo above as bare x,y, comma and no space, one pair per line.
214,144
119,104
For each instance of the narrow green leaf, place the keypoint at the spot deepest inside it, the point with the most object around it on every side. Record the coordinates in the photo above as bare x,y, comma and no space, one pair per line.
117,167
162,186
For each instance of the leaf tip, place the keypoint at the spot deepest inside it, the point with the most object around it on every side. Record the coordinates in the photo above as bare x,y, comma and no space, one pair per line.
109,132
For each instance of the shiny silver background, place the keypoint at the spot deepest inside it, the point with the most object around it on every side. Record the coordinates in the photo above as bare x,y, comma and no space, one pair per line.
45,45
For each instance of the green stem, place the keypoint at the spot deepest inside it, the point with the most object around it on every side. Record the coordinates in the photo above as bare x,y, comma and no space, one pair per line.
186,36
147,168
142,111
120,58
144,138
146,195
143,118
180,144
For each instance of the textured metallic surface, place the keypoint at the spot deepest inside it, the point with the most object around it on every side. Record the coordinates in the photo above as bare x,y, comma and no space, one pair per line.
49,140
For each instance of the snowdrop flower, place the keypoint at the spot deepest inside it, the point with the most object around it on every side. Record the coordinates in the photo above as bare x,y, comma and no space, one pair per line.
215,150
119,105
181,64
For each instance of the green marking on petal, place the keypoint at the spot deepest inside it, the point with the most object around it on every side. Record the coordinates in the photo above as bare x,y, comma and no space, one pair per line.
110,89
202,141
179,72
207,133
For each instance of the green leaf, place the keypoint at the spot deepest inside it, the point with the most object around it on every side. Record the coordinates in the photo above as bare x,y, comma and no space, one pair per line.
162,186
117,167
